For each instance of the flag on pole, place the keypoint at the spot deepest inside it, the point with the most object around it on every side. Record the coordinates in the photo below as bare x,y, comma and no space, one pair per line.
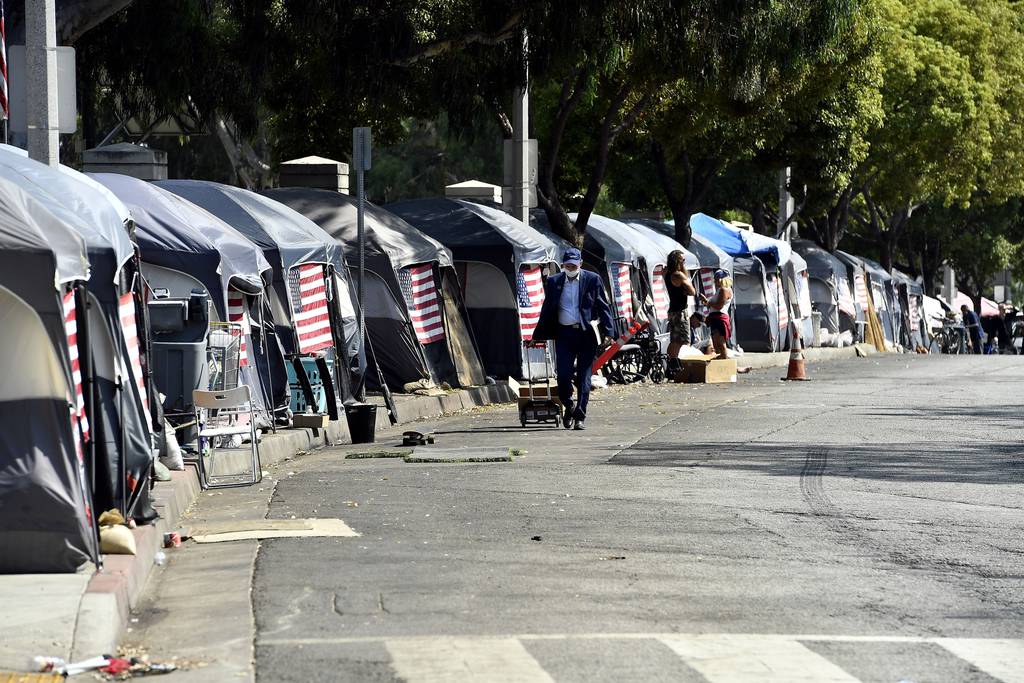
5,110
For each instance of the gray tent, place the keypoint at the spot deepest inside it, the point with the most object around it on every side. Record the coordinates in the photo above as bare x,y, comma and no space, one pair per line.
117,394
656,247
891,312
414,311
186,248
879,286
46,522
502,264
311,295
910,295
859,285
831,293
755,312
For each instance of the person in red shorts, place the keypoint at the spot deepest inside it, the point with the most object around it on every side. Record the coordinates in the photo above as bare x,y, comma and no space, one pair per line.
718,320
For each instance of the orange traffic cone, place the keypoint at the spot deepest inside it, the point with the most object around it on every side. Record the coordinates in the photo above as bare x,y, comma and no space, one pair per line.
796,360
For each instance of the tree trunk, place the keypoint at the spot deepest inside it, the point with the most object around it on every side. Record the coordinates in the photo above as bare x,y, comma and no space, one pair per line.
547,194
685,197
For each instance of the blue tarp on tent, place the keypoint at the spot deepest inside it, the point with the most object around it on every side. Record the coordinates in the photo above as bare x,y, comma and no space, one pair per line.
738,242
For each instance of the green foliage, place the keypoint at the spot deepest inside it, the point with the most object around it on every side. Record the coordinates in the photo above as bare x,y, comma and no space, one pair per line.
432,154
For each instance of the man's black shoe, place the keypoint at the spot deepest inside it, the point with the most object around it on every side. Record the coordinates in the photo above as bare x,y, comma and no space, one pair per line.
579,426
567,418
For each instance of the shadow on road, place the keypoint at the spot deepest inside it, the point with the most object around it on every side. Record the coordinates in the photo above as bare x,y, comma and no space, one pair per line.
978,463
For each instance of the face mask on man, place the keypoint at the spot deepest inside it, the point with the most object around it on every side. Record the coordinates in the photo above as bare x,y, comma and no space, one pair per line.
571,273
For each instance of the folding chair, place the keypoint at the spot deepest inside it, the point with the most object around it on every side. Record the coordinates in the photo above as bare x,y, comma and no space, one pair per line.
224,417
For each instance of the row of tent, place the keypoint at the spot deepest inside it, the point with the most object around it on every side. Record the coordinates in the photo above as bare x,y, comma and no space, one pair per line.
114,290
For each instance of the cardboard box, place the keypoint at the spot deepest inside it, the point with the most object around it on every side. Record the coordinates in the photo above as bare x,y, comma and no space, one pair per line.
708,370
542,389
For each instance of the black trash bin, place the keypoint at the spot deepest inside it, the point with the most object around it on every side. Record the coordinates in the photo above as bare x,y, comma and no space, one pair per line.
362,422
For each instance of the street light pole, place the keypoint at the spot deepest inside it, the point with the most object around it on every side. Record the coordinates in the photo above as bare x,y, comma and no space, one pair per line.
41,81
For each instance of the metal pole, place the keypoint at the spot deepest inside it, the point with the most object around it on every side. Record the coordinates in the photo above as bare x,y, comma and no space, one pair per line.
41,81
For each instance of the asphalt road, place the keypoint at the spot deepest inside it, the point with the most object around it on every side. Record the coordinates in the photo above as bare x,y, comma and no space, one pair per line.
867,525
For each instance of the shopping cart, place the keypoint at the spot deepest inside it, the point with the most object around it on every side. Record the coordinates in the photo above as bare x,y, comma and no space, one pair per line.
538,399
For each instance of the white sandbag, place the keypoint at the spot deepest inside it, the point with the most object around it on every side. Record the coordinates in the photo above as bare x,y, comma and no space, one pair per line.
171,457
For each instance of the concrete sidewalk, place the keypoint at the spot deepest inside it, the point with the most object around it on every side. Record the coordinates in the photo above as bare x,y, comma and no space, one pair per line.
77,616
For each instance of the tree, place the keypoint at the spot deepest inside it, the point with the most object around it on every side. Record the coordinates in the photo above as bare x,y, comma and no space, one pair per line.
782,62
986,238
935,139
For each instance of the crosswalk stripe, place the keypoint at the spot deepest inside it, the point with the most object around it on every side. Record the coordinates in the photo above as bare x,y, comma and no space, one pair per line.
1002,659
754,659
440,660
719,658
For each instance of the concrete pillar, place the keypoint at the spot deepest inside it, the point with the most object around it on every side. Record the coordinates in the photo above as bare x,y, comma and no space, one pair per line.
474,191
314,171
127,159
948,283
41,79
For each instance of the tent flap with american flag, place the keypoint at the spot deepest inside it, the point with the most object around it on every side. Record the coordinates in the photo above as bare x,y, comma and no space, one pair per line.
424,302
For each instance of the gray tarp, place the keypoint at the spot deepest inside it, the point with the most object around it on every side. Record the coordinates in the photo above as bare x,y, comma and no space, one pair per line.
475,232
174,233
44,525
88,209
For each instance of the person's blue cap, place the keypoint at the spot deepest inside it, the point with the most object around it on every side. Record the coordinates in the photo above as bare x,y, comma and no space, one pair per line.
721,274
572,255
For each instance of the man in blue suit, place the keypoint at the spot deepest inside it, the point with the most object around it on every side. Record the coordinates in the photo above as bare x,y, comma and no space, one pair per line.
572,300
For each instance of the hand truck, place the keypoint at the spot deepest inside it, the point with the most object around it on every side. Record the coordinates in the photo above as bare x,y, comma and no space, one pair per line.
539,406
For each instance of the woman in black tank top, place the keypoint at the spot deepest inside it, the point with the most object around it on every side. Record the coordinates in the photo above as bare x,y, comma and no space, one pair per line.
679,288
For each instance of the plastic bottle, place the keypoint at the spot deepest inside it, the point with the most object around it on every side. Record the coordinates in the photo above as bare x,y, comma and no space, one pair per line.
44,664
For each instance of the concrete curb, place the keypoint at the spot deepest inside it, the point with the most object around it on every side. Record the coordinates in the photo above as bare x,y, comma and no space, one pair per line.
780,360
115,590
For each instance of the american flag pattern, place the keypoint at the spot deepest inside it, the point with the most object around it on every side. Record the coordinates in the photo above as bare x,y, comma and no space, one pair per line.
530,297
846,304
707,281
309,305
861,291
71,330
5,109
424,303
660,293
126,312
238,314
622,291
915,323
